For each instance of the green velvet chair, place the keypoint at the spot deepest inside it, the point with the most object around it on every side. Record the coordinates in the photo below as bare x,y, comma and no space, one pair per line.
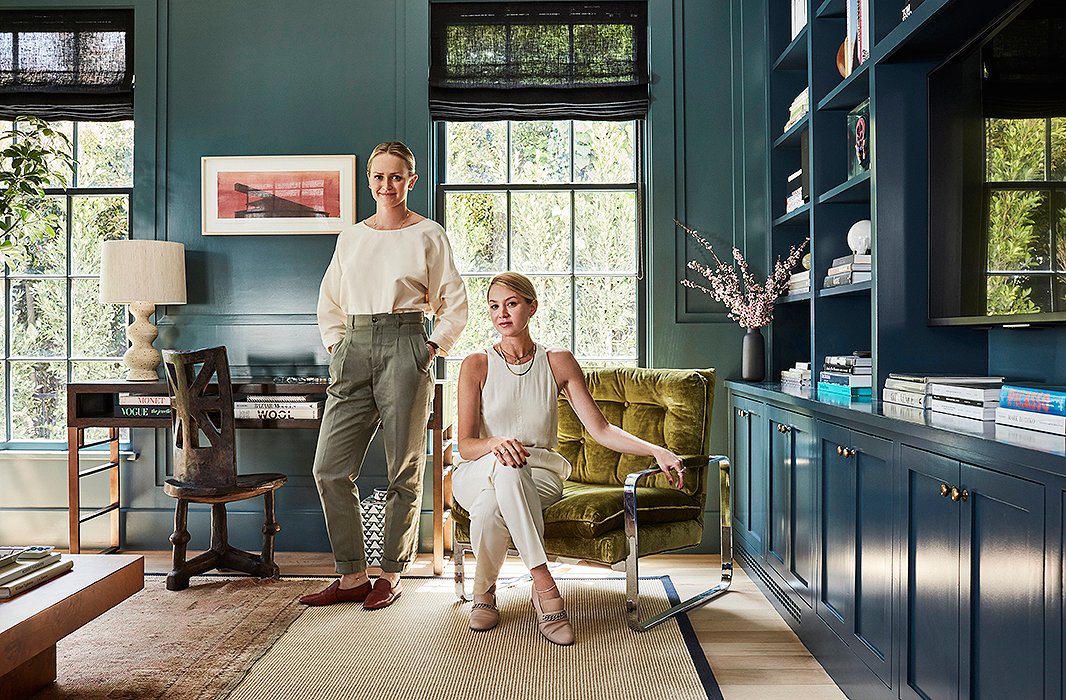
616,508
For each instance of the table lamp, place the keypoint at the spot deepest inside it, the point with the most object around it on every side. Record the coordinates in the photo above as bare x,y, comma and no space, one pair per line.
142,274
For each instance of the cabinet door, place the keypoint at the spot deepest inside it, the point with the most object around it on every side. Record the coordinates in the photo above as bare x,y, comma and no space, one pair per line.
871,622
837,586
856,554
750,474
790,538
930,644
1003,550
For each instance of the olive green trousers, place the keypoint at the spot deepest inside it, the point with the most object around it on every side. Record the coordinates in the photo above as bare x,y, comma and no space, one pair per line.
380,372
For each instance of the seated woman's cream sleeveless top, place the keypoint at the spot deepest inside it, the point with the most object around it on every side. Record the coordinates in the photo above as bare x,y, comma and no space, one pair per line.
521,401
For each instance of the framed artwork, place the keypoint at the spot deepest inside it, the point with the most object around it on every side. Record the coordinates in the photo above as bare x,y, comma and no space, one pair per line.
263,195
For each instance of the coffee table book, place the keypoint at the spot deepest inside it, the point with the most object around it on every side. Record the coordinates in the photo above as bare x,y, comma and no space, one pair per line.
17,569
35,578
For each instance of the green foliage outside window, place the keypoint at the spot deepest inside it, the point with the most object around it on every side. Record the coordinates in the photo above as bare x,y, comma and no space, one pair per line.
557,201
1020,220
59,329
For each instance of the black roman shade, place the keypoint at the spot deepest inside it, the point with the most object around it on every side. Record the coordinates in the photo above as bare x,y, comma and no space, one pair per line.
539,60
1025,65
69,64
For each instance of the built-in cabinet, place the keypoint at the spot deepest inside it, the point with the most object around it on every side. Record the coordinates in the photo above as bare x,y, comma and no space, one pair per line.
974,558
856,534
914,562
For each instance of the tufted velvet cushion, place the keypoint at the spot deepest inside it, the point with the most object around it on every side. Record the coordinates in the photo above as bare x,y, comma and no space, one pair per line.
664,406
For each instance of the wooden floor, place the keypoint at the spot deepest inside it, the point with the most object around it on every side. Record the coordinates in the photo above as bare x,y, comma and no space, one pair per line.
753,653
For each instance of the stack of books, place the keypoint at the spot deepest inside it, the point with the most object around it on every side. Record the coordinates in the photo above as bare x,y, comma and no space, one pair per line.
278,407
848,269
972,400
1032,415
953,395
142,406
847,375
799,107
799,283
797,377
22,568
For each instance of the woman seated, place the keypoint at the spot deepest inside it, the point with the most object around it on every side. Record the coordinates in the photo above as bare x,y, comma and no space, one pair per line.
508,432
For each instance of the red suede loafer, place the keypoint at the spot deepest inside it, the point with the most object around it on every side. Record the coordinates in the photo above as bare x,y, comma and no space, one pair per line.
336,594
383,595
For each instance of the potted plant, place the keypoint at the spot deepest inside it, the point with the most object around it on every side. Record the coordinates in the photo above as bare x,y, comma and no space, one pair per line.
33,157
750,303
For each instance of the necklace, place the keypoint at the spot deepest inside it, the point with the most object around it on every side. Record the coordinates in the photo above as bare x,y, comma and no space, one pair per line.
399,226
515,359
506,364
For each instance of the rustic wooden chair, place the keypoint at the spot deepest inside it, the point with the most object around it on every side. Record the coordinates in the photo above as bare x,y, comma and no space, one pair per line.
205,467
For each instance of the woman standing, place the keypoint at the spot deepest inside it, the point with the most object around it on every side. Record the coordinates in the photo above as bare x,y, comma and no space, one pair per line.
387,272
508,433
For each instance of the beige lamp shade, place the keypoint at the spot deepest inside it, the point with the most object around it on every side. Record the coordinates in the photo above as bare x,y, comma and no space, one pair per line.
142,271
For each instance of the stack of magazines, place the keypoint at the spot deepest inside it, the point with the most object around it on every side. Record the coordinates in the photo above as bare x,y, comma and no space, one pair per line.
278,407
22,568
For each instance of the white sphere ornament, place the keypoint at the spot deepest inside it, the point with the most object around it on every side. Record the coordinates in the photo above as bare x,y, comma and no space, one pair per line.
859,237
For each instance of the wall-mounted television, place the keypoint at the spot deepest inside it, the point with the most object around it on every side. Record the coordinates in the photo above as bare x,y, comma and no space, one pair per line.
997,175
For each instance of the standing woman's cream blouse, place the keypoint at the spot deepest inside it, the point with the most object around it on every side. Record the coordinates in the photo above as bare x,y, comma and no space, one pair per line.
382,272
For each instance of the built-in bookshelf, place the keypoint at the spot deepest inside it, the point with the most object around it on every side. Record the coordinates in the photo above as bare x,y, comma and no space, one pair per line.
888,314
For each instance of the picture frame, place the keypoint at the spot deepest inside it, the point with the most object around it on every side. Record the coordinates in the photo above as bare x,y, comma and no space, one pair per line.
277,195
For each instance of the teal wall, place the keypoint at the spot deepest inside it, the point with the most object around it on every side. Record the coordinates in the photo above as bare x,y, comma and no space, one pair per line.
221,77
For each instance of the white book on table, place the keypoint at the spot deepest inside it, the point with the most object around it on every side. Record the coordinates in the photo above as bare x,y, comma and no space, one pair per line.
1043,422
35,578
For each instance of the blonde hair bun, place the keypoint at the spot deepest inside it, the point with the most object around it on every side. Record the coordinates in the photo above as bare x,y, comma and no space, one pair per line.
392,148
517,283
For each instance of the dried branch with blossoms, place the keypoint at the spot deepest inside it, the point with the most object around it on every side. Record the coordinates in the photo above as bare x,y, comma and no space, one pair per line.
750,304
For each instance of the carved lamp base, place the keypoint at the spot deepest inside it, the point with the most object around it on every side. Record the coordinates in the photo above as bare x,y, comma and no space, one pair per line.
141,358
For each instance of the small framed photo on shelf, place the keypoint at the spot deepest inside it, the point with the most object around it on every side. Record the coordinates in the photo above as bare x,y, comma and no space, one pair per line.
275,195
859,139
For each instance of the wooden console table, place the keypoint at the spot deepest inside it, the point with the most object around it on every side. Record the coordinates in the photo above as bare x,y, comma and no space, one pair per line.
92,405
31,623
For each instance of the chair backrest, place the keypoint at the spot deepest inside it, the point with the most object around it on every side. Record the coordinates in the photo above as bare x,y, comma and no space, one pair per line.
202,402
670,407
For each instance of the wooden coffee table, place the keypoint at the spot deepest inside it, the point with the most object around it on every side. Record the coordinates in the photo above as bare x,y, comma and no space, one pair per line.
32,623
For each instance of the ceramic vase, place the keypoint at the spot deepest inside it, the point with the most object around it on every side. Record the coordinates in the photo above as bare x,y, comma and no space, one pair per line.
753,356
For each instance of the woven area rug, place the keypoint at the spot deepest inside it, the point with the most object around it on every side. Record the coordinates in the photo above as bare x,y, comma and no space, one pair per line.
421,649
196,643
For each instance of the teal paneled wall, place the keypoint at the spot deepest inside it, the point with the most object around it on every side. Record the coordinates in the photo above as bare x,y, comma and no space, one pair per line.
338,76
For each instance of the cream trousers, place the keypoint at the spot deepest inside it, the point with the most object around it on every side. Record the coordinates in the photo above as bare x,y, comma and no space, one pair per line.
505,504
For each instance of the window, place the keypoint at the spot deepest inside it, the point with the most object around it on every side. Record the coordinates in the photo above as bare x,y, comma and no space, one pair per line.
55,329
1025,208
560,202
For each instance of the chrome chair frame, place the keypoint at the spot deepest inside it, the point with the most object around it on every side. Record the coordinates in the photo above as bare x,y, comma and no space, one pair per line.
629,498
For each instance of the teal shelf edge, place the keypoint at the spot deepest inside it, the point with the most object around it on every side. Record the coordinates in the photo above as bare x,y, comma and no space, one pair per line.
794,57
846,289
850,91
905,29
792,298
791,138
797,215
831,8
854,191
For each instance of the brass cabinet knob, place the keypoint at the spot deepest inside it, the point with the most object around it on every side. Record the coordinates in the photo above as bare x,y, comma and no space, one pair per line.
840,450
742,413
784,428
957,495
944,490
848,453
